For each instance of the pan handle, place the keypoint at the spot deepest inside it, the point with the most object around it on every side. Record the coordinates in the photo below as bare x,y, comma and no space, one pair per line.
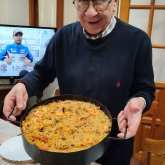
15,122
125,133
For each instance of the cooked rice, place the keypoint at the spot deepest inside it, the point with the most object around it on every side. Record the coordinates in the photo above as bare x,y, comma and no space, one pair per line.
66,126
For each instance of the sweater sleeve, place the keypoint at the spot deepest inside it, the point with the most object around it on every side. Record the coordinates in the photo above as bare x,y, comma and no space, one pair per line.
29,55
44,71
3,53
143,84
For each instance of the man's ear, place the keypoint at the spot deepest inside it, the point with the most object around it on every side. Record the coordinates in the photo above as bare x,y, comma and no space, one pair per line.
115,5
116,2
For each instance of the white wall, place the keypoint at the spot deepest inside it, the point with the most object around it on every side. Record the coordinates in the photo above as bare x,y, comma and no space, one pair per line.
70,13
15,12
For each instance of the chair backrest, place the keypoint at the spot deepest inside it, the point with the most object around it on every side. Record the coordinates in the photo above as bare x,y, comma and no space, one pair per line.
152,148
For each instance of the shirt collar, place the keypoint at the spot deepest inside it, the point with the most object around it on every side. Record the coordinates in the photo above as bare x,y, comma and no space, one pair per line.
109,28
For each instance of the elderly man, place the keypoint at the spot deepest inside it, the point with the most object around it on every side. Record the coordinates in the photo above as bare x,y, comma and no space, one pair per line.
100,57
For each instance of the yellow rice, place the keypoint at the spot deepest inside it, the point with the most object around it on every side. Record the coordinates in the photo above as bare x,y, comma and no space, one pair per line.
66,126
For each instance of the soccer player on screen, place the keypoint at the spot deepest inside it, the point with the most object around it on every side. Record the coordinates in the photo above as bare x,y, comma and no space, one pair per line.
16,50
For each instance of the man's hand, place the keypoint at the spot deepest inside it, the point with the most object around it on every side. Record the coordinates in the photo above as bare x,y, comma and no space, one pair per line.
27,62
130,117
15,100
8,60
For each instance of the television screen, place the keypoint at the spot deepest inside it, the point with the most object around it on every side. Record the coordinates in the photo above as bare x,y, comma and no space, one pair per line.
21,47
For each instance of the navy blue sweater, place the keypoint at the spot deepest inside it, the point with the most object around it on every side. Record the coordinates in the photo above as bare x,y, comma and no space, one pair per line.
111,70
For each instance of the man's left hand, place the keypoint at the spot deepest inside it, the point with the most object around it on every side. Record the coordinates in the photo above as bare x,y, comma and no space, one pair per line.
27,62
130,117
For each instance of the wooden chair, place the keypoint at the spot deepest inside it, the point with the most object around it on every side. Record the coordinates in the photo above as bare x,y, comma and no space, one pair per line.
152,123
153,152
146,130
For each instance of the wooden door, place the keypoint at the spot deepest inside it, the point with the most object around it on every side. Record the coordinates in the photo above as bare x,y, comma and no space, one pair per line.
149,15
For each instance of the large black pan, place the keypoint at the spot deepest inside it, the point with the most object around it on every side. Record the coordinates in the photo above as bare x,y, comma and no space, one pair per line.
74,158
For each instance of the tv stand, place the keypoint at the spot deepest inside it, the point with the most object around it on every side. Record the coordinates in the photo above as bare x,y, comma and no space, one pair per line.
11,80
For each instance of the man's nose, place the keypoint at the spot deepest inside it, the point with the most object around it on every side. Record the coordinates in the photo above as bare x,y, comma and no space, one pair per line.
91,11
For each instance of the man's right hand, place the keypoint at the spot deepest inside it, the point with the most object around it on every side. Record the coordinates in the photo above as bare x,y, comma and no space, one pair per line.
8,60
15,100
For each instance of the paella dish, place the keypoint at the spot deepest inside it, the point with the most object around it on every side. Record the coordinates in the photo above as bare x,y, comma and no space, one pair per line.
66,126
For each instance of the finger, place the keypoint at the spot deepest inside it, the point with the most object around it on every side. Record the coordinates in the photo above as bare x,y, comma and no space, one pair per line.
12,118
25,101
16,111
9,114
120,114
131,131
128,135
122,126
121,118
122,123
121,135
21,101
8,108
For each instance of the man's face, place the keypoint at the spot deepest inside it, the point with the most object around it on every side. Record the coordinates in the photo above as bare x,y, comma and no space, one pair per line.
17,38
95,21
